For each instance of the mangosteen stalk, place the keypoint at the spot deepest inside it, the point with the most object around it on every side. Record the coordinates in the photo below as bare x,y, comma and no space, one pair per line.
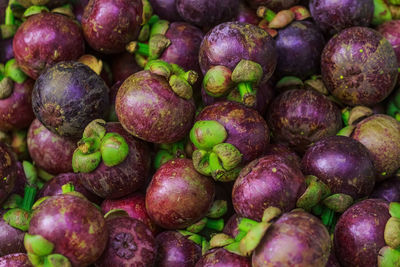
9,28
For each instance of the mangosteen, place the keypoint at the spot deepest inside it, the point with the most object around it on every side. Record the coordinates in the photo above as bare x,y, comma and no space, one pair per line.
246,15
388,190
11,239
221,257
8,171
17,259
391,31
166,9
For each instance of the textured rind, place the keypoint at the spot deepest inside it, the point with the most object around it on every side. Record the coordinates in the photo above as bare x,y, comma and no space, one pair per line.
178,196
8,171
359,233
271,181
359,67
124,178
275,5
16,110
295,239
49,151
109,25
45,39
166,9
15,260
147,108
391,31
11,239
343,164
67,97
220,257
380,134
388,190
301,117
75,227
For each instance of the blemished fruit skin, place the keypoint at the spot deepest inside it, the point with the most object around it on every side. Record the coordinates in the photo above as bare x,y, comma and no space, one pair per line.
220,257
17,259
8,171
391,31
11,239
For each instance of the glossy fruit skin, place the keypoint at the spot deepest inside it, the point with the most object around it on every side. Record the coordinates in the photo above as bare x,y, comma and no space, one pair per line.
17,260
380,134
246,15
391,31
75,227
109,25
176,250
141,249
299,118
67,96
364,73
35,52
166,9
123,66
220,257
16,110
297,238
388,190
11,239
343,164
8,171
124,178
334,16
49,151
178,196
270,181
147,108
354,244
275,5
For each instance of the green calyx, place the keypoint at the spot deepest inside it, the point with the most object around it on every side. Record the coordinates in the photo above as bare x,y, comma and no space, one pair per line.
115,213
168,152
246,75
316,83
198,226
12,71
346,131
206,134
346,115
217,81
6,88
392,233
147,12
382,12
251,240
265,13
388,257
159,67
338,202
33,10
394,209
218,209
181,87
30,172
114,149
66,10
159,27
221,240
315,192
289,82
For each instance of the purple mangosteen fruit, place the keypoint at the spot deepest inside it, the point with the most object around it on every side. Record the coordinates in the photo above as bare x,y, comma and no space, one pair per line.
8,171
388,190
391,31
79,9
6,50
221,257
166,9
11,239
275,5
15,260
246,15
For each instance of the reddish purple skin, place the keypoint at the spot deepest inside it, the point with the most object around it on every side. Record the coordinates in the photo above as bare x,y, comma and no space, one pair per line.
228,43
283,151
79,8
45,39
176,250
364,72
109,25
123,66
388,190
246,129
343,164
166,9
301,117
295,239
246,15
271,181
391,31
359,233
124,178
232,226
275,5
11,239
148,108
134,205
15,260
220,257
75,227
178,196
130,243
6,50
16,110
8,171
334,16
20,181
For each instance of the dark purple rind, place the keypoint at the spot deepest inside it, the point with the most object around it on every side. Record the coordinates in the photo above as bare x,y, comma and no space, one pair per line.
79,8
178,196
6,50
8,171
49,151
343,164
124,178
176,250
231,227
75,227
16,110
359,67
147,108
332,261
45,39
15,260
220,257
275,5
166,9
123,66
334,16
302,117
391,31
246,15
246,129
359,233
109,25
67,97
271,181
144,251
388,190
11,239
295,239
20,181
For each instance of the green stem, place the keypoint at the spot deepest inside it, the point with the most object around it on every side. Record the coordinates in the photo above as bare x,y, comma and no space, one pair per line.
153,19
215,224
247,93
143,49
246,224
67,188
29,198
9,16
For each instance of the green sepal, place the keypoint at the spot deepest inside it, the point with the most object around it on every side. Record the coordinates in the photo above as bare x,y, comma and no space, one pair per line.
253,238
346,131
33,10
240,235
56,260
205,246
228,154
198,226
246,224
289,82
381,12
144,33
161,158
115,213
96,128
66,10
18,218
85,163
196,239
206,134
346,115
8,31
38,245
247,71
221,240
12,71
159,67
217,81
234,248
30,172
338,202
392,233
388,257
6,88
217,224
327,217
270,213
394,209
147,12
159,27
181,87
36,260
39,201
218,209
114,149
200,162
313,194
157,44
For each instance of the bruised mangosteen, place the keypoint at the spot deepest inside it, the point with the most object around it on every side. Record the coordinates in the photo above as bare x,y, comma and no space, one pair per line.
17,259
8,171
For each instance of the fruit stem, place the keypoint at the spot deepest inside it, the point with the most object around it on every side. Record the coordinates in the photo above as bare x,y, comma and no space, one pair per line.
9,16
215,224
67,188
266,13
30,172
246,224
247,93
138,48
29,198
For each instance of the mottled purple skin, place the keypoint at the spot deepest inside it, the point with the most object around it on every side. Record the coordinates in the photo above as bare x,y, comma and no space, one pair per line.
334,16
178,196
166,9
246,15
8,171
295,239
49,151
391,31
343,164
271,181
246,129
45,39
359,67
15,260
299,48
68,96
220,257
123,66
75,227
359,233
232,226
388,190
275,5
124,178
11,239
380,134
16,110
176,250
6,50
109,25
301,117
79,8
148,108
283,151
228,43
